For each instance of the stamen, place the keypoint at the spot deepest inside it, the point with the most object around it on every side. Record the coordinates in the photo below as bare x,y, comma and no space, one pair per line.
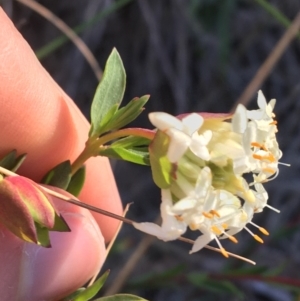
223,251
258,157
269,170
225,226
256,237
230,237
274,122
214,212
285,164
179,218
261,229
216,230
274,176
256,144
193,226
208,215
272,208
270,157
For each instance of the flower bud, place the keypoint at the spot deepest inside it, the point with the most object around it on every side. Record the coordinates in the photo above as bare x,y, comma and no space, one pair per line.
27,211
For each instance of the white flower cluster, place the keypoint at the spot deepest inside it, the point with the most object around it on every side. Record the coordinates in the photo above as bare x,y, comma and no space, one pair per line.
210,155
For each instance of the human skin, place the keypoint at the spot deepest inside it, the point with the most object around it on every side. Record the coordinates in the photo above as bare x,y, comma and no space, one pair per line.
38,118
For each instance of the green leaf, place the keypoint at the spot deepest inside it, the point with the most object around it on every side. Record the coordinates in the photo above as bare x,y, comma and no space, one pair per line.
126,114
121,297
60,225
131,142
77,181
91,291
73,295
43,236
160,165
59,176
11,161
109,92
138,156
107,118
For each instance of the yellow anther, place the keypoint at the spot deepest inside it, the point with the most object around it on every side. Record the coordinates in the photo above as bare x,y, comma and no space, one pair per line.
225,226
224,253
263,230
214,212
258,157
270,158
233,239
256,144
268,170
208,215
216,230
274,122
193,226
179,218
256,237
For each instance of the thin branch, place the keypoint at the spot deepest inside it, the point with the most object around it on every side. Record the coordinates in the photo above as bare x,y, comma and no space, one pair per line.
112,215
266,68
79,43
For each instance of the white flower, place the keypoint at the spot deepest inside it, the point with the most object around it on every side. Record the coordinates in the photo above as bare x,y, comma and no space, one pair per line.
239,222
183,134
171,227
258,130
223,209
206,189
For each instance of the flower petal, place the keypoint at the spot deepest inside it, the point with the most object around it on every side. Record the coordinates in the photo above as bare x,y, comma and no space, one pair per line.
192,123
179,143
164,121
202,241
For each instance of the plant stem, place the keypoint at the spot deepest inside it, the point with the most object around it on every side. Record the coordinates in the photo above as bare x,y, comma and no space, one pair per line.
93,144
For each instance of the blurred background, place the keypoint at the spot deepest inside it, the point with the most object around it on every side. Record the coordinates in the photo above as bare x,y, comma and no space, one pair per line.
189,55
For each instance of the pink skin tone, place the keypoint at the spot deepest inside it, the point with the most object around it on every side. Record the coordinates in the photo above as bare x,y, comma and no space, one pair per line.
38,118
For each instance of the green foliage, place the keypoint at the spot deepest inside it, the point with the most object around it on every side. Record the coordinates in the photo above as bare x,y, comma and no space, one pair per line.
59,176
85,294
77,181
43,236
60,225
121,297
216,286
132,141
11,161
134,155
116,119
109,92
160,165
92,290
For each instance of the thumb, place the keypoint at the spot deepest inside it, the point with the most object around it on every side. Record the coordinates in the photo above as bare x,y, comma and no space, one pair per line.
31,272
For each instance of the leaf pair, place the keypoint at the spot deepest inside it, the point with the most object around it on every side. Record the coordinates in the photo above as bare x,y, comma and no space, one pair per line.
106,116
